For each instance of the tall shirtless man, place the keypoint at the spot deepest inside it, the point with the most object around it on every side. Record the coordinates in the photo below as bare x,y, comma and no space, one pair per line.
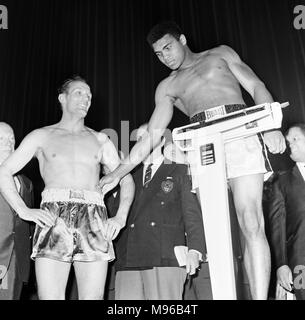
72,224
200,81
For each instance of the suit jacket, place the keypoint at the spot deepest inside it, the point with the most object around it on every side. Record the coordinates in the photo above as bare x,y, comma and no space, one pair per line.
287,219
163,215
15,232
112,201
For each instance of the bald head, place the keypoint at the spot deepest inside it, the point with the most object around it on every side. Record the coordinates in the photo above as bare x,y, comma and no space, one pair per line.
7,141
4,127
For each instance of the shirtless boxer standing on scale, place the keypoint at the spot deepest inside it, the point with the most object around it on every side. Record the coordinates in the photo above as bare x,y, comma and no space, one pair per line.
198,82
72,215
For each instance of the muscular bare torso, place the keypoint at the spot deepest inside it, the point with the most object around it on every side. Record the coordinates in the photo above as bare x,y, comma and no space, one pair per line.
206,83
69,160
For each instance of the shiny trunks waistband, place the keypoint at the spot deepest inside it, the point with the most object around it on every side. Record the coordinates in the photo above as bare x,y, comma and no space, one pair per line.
216,112
71,195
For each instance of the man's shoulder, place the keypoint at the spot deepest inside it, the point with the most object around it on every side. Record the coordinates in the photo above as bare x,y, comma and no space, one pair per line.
166,83
41,136
282,177
92,131
179,168
282,174
39,133
225,52
222,48
100,135
167,88
288,173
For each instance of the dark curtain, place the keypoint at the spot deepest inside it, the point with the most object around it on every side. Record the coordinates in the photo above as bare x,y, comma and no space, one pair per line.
104,41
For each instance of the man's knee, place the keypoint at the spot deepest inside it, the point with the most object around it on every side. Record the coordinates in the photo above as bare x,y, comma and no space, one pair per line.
51,295
253,231
251,221
91,296
51,290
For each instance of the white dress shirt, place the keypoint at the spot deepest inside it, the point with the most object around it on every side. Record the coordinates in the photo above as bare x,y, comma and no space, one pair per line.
301,166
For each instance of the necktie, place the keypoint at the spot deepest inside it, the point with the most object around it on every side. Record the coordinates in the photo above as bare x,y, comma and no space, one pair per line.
147,176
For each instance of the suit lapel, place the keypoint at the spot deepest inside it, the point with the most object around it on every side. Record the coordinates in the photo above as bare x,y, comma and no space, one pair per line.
145,194
297,176
138,180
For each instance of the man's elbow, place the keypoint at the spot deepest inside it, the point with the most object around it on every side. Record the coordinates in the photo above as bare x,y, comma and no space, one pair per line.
258,86
128,183
131,185
127,190
4,172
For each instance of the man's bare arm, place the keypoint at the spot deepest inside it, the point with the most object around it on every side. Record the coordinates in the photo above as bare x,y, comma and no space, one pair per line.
244,74
257,89
111,160
126,197
158,122
23,154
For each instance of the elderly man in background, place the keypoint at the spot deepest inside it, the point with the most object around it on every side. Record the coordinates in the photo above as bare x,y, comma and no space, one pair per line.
15,243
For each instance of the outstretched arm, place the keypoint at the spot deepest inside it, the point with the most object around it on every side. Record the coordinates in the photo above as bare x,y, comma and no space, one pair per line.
256,88
111,160
158,122
11,166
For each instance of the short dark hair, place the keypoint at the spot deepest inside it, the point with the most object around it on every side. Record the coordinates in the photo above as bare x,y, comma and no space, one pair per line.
161,29
299,125
66,84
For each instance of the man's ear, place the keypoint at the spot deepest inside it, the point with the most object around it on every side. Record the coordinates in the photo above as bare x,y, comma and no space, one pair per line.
61,98
182,39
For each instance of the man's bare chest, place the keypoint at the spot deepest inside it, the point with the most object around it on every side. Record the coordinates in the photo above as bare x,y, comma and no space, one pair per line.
204,76
71,148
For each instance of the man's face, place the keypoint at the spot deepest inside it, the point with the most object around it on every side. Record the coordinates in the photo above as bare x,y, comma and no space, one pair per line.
7,142
296,142
78,98
170,51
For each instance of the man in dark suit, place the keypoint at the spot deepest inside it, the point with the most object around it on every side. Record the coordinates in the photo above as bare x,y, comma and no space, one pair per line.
15,243
287,219
165,214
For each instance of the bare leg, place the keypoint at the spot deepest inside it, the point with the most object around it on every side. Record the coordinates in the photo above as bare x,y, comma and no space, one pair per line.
52,277
91,278
247,194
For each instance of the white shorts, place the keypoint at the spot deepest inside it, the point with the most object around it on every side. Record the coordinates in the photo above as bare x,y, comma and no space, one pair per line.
246,156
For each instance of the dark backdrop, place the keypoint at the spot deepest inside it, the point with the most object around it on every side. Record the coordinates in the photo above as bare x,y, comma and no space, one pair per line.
104,41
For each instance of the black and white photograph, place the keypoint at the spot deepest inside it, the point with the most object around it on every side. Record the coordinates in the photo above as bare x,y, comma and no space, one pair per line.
152,150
